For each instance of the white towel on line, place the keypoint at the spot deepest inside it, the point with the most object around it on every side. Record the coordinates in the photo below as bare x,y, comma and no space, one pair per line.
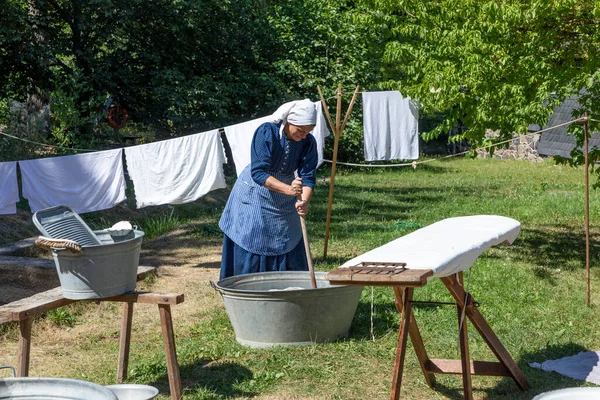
240,136
584,366
320,132
83,182
446,247
9,187
391,126
176,171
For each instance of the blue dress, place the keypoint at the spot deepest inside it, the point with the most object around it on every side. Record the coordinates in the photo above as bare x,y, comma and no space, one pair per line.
262,227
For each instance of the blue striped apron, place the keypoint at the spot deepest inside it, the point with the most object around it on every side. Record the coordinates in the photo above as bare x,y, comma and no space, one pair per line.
260,220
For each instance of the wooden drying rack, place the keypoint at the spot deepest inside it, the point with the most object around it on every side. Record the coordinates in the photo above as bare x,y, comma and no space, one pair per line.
24,311
404,281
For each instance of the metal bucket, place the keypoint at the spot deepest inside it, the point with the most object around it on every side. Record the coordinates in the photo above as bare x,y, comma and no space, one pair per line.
100,271
52,388
264,313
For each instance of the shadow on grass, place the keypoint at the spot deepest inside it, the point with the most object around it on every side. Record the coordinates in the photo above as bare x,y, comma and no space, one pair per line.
550,248
206,376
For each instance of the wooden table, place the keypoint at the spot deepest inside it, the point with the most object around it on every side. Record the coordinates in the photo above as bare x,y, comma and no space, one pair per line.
25,310
404,281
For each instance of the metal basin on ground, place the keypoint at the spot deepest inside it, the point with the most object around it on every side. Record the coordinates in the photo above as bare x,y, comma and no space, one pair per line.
581,393
133,392
264,311
52,388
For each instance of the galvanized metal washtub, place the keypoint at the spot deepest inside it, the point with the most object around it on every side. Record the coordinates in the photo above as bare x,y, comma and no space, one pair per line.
281,308
52,388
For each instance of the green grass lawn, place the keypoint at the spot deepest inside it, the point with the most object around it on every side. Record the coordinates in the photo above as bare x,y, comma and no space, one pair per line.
532,293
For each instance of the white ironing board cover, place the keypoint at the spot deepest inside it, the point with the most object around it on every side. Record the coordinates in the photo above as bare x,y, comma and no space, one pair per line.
446,247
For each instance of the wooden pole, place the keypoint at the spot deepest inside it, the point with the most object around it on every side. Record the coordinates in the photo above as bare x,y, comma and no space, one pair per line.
587,208
336,138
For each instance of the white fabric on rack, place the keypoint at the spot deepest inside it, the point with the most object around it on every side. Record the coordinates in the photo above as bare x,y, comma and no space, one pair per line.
446,247
176,171
391,126
239,138
83,182
9,187
320,132
584,366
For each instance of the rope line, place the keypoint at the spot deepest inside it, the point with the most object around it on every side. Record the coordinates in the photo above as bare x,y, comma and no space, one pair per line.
44,144
415,163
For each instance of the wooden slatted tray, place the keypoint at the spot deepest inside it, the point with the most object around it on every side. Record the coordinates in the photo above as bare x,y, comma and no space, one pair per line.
379,274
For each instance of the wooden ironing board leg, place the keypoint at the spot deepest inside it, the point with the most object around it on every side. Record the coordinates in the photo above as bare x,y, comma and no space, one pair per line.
464,350
417,341
458,293
405,297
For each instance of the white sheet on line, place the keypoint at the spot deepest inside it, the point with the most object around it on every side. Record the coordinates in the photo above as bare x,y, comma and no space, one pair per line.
84,182
391,126
9,187
584,366
446,247
176,171
240,137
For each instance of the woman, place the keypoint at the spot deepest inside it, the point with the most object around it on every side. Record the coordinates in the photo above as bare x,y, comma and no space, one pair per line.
260,221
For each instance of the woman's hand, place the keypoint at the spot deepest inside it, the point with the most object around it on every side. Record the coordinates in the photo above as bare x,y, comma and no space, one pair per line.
302,207
295,188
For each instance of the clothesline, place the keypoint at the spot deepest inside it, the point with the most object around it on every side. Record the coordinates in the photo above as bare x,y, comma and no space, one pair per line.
415,163
45,144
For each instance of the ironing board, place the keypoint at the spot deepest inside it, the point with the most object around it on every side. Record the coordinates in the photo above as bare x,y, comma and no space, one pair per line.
441,250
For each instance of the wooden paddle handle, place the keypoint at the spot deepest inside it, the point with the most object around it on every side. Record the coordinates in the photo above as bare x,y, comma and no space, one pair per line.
311,271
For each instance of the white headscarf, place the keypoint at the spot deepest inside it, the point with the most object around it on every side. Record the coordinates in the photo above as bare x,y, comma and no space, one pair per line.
299,113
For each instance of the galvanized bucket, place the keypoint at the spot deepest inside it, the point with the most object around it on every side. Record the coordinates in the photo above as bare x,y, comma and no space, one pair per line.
281,309
99,271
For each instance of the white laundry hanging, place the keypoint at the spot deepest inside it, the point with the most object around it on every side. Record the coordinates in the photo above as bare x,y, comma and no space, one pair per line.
240,136
320,132
9,187
83,182
391,126
176,171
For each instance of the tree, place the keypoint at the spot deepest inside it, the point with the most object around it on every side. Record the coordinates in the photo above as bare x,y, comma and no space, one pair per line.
492,64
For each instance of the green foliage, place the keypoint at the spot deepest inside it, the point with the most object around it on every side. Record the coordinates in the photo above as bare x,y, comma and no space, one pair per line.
489,64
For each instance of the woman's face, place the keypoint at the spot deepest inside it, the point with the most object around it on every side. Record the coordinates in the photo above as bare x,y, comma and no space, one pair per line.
298,132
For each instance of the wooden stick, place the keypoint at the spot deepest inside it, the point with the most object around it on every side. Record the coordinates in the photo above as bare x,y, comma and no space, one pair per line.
349,108
587,209
324,104
311,271
336,142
